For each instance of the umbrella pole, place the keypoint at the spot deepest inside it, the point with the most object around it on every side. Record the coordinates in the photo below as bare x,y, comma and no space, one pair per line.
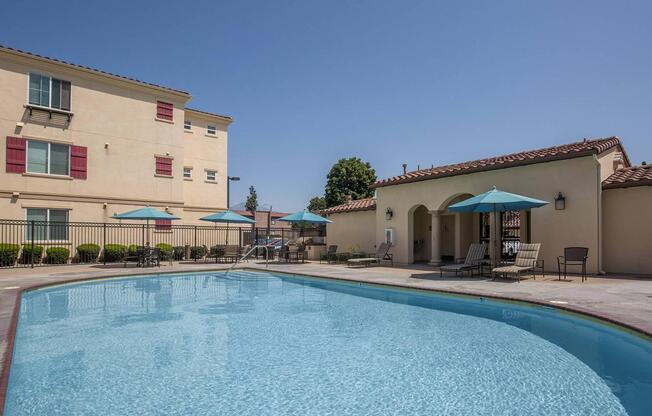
494,240
227,234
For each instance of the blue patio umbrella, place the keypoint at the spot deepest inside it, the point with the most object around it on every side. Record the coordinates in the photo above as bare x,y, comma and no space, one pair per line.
305,216
495,201
228,217
146,213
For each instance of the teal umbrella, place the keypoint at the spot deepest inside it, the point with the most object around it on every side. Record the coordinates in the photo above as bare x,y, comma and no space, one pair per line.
303,217
228,217
495,201
146,213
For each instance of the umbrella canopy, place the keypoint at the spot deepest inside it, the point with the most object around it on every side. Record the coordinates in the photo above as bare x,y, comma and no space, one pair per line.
305,216
496,200
146,213
227,217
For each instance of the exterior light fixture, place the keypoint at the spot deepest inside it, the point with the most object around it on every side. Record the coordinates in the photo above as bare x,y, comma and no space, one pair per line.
389,214
228,189
560,202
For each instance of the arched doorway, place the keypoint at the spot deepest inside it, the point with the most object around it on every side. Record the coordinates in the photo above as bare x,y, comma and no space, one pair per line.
457,230
421,235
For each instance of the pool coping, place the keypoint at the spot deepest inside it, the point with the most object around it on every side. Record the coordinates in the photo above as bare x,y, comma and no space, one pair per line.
18,292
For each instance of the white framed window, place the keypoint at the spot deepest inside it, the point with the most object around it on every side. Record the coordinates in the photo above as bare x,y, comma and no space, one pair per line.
211,175
212,130
389,235
187,125
48,224
48,158
45,91
187,173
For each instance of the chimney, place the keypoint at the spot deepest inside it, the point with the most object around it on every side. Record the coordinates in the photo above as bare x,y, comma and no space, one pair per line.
404,168
618,162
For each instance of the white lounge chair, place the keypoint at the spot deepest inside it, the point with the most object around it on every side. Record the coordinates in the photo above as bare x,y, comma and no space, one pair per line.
382,253
526,260
473,260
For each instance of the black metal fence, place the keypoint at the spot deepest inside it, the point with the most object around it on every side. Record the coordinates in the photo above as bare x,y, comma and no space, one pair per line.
41,243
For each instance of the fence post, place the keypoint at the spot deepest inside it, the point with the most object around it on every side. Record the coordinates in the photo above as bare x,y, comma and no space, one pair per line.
195,245
104,243
32,254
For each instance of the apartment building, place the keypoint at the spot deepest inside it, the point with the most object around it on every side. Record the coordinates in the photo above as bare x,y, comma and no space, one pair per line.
82,144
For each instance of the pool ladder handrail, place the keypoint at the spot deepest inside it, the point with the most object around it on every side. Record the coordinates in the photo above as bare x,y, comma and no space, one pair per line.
248,253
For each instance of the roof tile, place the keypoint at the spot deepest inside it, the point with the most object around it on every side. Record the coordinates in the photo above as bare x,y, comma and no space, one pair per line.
367,204
628,177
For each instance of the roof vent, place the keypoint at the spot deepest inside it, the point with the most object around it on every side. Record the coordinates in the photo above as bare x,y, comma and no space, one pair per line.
404,168
618,161
643,163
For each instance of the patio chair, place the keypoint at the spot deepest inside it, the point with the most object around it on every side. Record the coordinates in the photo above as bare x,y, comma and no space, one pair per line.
331,255
296,253
232,253
472,261
215,252
138,258
382,253
152,257
573,256
526,260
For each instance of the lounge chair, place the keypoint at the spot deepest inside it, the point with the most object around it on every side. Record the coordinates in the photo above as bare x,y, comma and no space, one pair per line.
232,253
526,260
473,260
215,252
573,256
382,253
331,254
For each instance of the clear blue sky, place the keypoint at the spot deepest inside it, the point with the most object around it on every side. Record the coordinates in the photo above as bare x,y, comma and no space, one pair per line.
420,82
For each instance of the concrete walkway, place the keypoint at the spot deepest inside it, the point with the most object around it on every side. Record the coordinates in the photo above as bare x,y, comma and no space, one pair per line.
624,300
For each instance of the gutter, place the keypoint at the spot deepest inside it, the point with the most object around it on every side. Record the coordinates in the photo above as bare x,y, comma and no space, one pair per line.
599,210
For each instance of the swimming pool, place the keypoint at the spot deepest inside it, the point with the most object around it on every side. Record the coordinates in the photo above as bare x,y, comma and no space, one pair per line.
268,344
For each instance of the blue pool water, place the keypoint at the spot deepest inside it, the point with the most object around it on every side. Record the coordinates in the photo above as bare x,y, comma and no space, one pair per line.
264,344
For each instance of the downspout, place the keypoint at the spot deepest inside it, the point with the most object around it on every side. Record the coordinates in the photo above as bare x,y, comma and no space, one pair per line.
599,203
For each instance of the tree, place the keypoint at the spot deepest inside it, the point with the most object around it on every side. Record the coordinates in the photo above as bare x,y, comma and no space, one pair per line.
316,204
252,201
347,177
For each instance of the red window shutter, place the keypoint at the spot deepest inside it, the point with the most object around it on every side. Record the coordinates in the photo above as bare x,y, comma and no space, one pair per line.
163,166
78,162
163,224
164,110
16,154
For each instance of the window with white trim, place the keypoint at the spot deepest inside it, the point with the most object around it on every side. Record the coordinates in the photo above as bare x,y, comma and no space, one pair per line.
211,175
46,224
212,130
187,125
49,92
48,158
187,173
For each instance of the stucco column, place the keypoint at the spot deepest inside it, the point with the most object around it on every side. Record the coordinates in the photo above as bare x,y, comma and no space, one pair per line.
435,256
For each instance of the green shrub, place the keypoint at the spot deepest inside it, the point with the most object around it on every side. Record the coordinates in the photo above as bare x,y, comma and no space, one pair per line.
115,252
343,257
87,253
132,250
178,253
165,250
8,254
26,257
57,255
197,252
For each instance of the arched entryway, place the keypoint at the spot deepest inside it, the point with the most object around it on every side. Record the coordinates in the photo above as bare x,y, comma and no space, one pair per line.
421,235
456,230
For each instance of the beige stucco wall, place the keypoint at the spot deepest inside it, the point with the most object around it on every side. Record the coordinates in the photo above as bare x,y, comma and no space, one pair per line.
352,231
116,121
627,228
578,224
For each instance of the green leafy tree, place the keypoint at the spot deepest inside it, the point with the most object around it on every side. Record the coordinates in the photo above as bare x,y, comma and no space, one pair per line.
351,177
252,200
316,204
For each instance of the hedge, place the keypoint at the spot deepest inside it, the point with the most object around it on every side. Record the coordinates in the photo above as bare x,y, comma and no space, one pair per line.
178,252
87,253
133,250
8,254
165,250
115,252
26,257
57,255
197,252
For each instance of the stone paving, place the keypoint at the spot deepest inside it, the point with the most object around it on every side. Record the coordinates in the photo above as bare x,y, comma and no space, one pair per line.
627,300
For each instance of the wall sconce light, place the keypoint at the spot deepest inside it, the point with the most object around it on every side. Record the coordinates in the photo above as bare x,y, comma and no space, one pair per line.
560,202
106,145
389,214
104,205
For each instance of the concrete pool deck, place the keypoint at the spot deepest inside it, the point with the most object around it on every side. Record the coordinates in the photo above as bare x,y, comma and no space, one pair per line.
625,300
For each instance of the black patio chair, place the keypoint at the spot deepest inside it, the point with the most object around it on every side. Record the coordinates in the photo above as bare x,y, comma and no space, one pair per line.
573,256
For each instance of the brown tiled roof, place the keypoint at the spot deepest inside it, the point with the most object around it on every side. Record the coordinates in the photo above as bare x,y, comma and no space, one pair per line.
367,204
87,68
628,177
566,151
209,114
